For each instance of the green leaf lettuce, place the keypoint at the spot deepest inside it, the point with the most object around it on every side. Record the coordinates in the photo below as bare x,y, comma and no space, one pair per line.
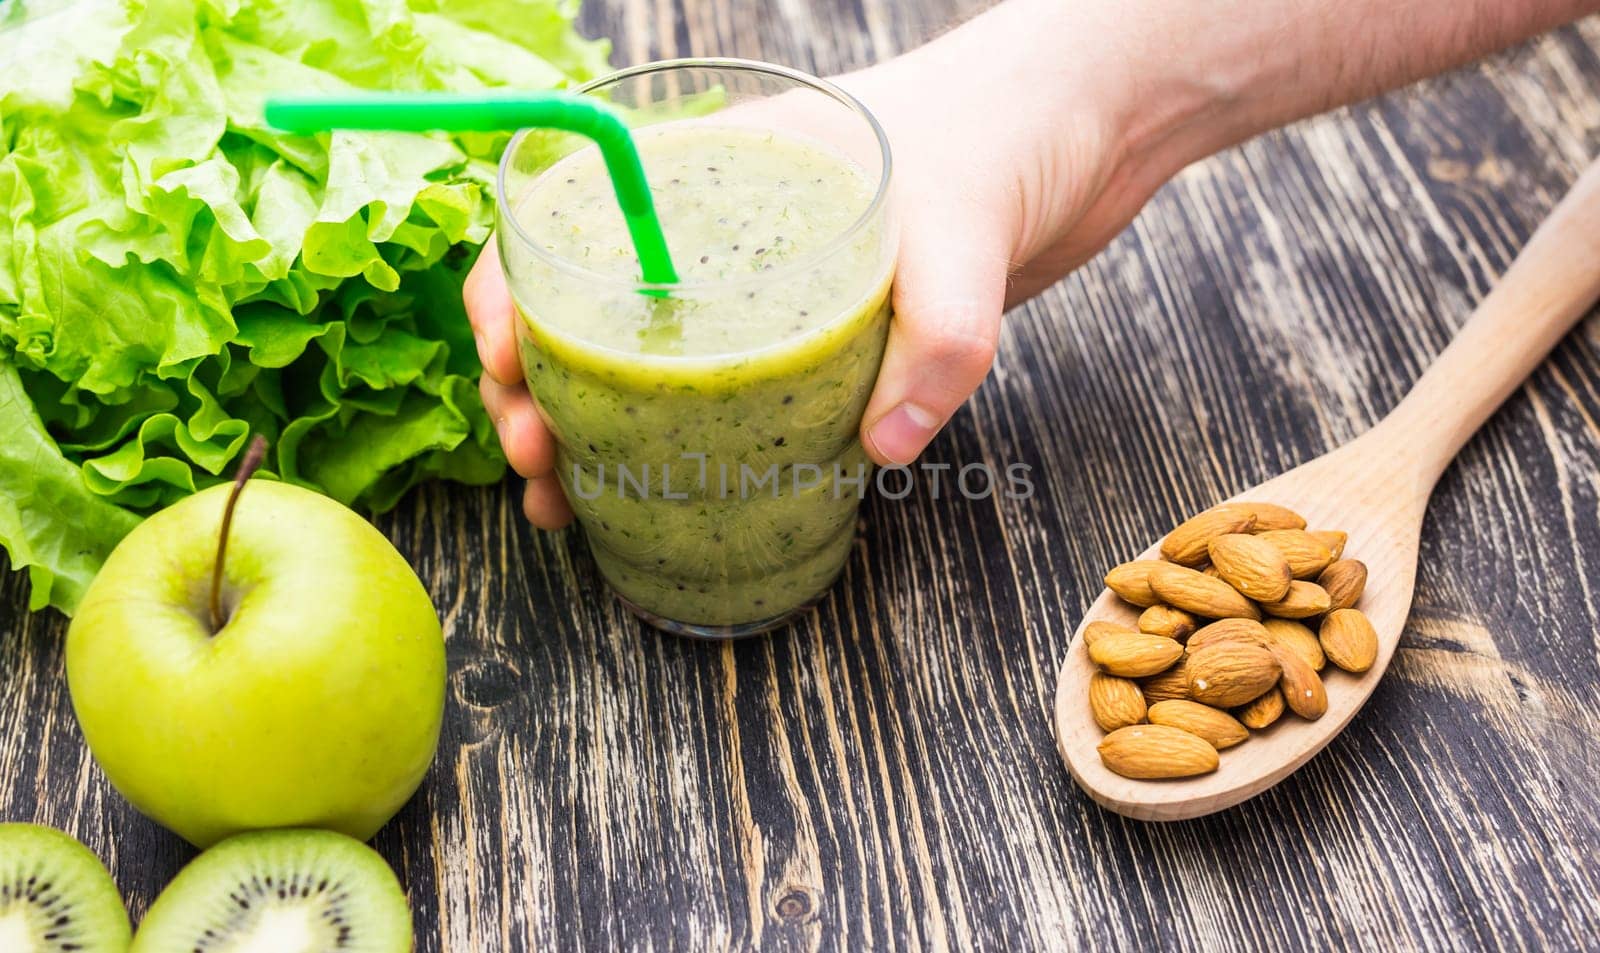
176,276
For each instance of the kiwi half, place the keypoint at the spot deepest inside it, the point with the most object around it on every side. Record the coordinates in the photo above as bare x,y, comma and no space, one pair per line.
283,891
56,895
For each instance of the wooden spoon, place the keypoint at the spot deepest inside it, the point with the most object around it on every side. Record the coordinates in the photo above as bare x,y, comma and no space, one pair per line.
1376,488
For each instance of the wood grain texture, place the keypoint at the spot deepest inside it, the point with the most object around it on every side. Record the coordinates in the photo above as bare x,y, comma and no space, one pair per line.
883,775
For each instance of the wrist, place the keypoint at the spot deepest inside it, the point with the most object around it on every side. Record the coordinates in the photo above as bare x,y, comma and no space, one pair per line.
1017,120
1186,88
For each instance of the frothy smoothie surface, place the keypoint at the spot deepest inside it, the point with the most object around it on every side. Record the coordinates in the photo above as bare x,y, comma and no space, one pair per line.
734,202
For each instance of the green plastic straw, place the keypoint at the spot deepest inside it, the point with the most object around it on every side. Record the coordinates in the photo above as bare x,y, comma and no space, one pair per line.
492,112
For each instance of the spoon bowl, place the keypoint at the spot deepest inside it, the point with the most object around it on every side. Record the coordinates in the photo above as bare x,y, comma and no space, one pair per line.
1375,489
1384,533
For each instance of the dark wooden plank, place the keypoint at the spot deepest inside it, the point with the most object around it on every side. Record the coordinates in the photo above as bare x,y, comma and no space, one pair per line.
883,775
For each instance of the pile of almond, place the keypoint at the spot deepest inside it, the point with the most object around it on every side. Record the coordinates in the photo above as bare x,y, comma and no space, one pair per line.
1241,613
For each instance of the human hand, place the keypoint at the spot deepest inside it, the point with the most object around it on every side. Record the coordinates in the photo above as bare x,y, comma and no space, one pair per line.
1008,176
993,196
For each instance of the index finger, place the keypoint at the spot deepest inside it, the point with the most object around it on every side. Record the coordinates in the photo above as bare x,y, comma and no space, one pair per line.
489,308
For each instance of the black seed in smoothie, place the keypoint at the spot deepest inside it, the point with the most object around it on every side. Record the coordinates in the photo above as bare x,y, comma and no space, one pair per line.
736,248
804,313
571,181
704,259
788,398
593,448
712,168
778,442
761,251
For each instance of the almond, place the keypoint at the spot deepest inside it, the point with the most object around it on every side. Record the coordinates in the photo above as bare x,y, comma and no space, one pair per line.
1224,630
1251,565
1263,711
1157,751
1349,639
1130,581
1295,636
1116,702
1218,728
1167,621
1345,580
1186,545
1268,515
1134,654
1094,631
1305,554
1196,592
1173,683
1230,673
1333,539
1302,688
1305,599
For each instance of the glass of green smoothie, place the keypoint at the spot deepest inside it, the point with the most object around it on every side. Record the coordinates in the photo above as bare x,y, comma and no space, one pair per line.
706,430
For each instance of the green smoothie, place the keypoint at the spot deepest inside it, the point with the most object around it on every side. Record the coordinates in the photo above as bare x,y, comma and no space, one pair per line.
708,438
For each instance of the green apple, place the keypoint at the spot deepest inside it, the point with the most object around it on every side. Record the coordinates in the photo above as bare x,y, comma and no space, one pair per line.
315,702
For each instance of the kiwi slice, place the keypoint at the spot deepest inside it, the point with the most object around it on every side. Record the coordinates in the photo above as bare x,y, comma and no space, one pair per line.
56,895
282,891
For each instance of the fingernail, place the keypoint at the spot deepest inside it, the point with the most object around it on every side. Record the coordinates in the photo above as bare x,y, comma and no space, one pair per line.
902,433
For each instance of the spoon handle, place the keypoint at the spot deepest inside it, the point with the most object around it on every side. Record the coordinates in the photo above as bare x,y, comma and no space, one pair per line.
1550,286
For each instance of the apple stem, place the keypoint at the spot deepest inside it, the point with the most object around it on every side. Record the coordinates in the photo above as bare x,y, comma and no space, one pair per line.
247,467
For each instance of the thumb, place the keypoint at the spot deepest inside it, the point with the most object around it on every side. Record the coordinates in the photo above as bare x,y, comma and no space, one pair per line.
949,292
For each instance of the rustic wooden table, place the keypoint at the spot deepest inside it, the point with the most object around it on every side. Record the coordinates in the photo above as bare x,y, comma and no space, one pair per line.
883,776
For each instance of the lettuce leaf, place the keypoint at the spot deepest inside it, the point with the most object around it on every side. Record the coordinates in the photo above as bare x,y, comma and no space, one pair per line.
175,275
53,525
